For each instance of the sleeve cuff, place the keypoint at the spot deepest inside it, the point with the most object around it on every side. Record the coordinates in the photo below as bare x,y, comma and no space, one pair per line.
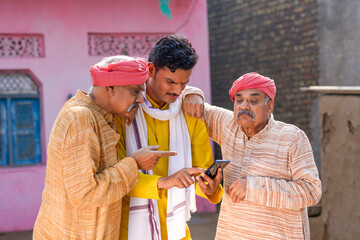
214,199
147,187
193,90
254,189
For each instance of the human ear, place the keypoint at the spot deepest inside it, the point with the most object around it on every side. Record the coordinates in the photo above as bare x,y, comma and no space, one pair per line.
110,90
152,70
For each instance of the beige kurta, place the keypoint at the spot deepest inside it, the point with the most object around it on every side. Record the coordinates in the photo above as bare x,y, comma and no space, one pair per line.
282,179
85,182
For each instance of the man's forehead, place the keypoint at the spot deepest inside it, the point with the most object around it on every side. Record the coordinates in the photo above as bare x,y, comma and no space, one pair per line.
250,92
179,76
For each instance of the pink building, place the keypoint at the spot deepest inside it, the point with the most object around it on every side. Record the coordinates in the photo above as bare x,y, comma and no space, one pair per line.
46,48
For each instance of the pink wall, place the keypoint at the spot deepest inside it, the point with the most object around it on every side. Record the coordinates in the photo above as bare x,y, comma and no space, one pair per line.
65,25
20,197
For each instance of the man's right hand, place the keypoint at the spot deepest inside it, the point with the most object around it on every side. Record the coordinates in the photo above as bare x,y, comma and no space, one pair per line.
237,190
147,157
180,179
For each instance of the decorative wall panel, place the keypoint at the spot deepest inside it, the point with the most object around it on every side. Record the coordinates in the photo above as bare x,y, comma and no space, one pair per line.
22,46
101,44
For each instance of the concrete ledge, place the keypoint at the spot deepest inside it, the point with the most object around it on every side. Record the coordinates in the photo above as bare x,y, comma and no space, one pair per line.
340,90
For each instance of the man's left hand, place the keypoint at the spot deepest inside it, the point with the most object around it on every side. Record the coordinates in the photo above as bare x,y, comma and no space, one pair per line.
237,190
193,106
212,184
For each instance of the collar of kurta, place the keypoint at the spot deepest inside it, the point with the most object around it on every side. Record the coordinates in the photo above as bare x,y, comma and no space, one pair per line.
81,95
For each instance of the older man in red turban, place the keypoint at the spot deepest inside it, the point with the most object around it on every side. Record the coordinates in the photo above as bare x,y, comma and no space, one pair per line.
85,181
272,177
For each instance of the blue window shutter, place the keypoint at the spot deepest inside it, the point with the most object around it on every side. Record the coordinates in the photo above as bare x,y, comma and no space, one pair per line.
4,155
26,131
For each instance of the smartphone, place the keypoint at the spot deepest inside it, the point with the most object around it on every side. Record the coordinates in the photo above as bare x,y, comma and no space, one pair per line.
212,170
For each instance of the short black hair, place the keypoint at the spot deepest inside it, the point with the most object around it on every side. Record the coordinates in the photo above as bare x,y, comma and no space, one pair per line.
173,51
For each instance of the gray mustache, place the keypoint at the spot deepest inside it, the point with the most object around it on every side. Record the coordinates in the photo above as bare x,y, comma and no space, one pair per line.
248,112
134,105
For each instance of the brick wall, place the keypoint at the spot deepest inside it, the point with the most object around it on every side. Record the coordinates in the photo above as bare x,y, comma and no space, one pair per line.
276,38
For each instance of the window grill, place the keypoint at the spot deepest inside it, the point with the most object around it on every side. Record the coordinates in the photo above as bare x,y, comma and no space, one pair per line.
19,119
17,83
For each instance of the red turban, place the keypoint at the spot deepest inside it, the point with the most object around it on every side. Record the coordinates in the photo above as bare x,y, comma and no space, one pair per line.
127,72
253,80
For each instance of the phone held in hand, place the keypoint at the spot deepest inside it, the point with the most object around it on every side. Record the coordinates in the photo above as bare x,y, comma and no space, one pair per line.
212,170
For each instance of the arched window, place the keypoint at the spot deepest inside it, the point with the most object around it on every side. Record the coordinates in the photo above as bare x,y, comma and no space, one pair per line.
20,138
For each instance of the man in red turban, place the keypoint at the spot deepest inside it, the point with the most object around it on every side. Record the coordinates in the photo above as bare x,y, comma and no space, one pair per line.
254,81
85,181
272,177
253,97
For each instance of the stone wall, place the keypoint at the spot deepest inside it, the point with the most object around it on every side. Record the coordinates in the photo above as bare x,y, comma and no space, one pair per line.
339,42
340,154
276,38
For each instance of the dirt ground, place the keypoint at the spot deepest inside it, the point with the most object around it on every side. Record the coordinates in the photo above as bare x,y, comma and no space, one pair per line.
202,227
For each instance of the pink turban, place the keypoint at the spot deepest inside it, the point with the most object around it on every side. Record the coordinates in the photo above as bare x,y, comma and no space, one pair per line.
253,80
127,72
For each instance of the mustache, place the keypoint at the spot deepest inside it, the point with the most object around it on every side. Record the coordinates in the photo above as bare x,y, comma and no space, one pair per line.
248,112
173,94
134,105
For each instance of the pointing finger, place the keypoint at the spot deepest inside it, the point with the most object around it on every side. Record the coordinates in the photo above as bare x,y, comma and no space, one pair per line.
165,153
194,171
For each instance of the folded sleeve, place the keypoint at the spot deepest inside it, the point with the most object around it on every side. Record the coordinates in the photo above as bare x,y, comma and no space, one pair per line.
214,199
147,187
192,90
216,119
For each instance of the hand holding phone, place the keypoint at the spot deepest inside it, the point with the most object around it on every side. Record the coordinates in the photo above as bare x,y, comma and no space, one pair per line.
212,170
